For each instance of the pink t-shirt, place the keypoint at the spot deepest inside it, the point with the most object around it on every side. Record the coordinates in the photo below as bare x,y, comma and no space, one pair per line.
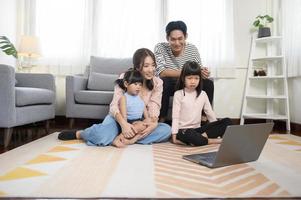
151,98
187,110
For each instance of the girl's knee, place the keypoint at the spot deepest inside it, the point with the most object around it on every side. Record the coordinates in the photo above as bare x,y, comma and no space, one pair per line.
164,129
227,121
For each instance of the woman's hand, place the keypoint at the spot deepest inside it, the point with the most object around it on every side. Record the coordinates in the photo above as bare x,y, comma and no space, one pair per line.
150,126
128,130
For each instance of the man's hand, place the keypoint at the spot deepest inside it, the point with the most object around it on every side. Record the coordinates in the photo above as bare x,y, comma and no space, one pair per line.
170,73
128,130
205,72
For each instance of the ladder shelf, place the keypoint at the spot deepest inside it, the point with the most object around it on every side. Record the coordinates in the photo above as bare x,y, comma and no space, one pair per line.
266,90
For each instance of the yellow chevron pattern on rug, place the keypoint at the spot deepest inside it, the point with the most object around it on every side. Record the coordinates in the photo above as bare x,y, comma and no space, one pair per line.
179,178
73,142
44,159
76,170
61,148
292,144
85,175
276,137
20,173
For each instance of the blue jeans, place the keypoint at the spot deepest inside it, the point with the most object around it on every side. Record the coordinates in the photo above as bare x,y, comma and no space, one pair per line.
103,134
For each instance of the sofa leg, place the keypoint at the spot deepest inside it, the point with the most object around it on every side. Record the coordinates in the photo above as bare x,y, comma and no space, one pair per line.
47,126
71,123
7,136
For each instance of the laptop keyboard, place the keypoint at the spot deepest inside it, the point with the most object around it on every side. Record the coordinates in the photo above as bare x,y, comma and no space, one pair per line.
208,157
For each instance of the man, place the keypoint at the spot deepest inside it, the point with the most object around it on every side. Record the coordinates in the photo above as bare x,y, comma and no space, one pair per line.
171,56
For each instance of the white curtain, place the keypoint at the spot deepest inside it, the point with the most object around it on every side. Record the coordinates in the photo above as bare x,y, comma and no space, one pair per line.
291,24
72,30
210,28
65,29
122,26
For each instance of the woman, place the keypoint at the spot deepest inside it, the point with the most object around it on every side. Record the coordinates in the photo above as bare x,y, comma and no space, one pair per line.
103,134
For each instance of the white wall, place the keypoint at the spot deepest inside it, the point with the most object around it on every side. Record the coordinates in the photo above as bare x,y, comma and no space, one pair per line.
229,91
8,27
294,87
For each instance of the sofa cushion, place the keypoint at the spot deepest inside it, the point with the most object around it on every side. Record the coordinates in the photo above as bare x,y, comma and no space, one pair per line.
102,82
109,65
33,96
93,97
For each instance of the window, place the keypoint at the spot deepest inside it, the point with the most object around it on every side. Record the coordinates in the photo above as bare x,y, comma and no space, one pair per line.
72,30
210,28
291,35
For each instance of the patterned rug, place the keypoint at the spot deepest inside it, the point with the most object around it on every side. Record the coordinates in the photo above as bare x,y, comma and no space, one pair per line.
49,168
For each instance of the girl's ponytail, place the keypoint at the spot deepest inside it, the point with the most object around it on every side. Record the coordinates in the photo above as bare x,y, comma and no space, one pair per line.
130,76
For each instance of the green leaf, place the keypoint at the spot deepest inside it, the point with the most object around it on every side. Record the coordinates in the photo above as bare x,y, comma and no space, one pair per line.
262,21
270,19
7,47
4,42
256,23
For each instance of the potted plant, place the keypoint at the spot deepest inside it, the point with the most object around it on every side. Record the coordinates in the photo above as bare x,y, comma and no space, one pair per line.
7,47
261,23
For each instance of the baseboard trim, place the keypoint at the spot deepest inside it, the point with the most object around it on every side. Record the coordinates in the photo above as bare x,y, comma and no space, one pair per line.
62,121
279,125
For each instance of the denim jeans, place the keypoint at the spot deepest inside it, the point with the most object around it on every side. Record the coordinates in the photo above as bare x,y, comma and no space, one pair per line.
103,134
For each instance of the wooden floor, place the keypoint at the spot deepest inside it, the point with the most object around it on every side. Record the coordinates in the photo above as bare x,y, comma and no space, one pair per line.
25,134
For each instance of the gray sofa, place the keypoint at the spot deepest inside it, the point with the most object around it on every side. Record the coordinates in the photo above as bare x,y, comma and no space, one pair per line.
89,95
24,98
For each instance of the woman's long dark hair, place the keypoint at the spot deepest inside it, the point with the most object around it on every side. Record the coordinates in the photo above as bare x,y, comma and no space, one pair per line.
190,68
138,62
130,76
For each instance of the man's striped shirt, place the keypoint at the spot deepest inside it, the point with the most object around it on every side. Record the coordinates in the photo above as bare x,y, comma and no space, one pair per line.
166,60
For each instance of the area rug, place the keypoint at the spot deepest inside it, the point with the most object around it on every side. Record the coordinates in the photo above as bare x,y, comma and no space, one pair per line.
49,168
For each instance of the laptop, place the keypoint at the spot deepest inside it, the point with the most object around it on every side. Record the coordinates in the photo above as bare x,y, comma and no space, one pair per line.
240,144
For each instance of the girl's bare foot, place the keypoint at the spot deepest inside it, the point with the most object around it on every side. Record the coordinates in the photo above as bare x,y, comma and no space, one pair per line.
119,142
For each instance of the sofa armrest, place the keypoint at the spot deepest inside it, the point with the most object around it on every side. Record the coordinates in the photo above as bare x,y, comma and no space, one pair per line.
7,96
76,83
73,84
45,81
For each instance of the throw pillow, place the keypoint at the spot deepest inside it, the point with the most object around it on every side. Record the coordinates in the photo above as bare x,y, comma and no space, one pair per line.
102,82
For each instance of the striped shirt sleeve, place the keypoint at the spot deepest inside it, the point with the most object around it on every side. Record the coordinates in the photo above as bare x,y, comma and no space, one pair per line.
160,60
196,53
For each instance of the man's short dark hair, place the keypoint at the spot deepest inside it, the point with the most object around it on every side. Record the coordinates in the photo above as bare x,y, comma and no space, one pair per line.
176,25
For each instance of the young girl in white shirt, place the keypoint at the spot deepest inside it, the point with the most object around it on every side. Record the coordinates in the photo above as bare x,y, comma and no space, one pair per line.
188,103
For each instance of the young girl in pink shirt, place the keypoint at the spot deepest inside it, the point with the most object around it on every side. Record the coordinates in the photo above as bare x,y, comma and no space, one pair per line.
188,103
